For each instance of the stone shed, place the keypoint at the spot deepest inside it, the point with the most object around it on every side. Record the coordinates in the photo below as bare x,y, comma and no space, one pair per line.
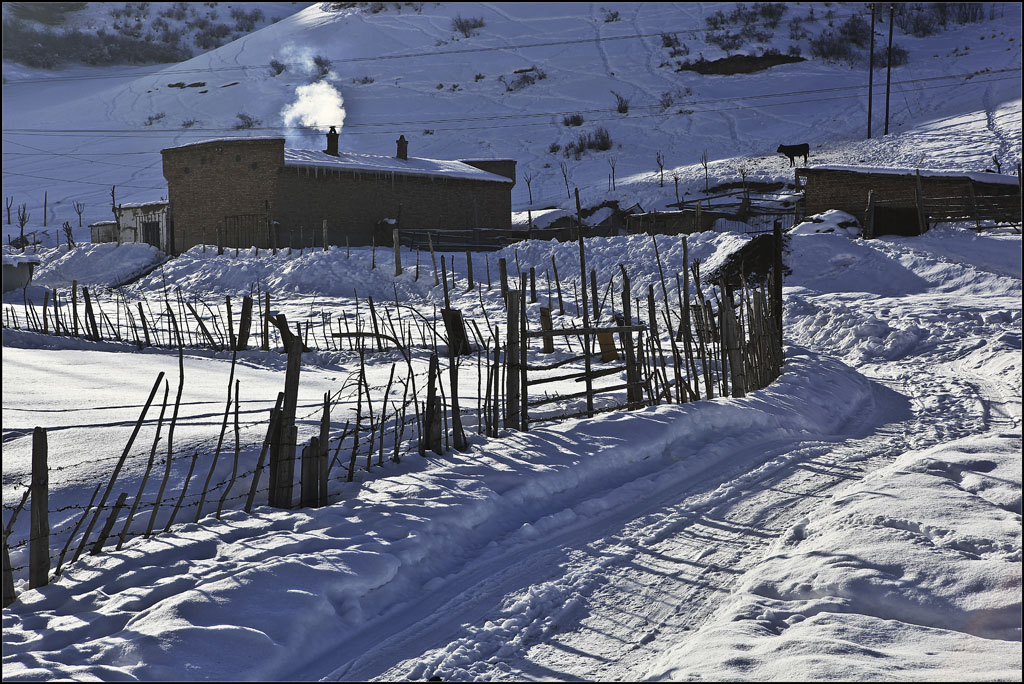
895,190
259,193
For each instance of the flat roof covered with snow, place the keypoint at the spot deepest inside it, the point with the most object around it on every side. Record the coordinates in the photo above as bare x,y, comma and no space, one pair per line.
375,163
979,176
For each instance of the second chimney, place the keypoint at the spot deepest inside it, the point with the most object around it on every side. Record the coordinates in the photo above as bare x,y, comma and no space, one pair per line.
332,142
403,147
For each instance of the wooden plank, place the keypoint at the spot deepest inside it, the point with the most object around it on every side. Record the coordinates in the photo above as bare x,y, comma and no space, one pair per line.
512,361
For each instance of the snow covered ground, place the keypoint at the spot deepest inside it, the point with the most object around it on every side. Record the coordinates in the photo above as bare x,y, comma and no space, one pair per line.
858,519
861,514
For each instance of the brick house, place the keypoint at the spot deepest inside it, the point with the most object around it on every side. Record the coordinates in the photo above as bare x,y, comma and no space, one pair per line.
895,191
240,183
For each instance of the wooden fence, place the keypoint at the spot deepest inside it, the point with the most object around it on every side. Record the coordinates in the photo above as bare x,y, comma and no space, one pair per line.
718,339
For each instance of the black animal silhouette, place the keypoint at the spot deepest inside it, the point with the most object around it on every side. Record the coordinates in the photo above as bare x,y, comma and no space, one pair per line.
794,151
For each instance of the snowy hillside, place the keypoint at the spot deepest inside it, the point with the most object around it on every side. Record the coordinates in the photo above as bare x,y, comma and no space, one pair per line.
510,87
50,35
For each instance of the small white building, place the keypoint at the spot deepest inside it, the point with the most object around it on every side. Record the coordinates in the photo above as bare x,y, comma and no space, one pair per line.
147,222
103,231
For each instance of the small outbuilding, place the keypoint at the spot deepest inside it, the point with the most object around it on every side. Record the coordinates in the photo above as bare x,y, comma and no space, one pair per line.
899,195
147,222
104,231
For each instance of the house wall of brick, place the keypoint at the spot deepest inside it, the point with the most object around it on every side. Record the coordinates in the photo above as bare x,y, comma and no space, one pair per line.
208,181
355,202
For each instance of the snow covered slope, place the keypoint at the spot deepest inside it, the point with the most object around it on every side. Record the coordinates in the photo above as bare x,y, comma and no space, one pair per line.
506,89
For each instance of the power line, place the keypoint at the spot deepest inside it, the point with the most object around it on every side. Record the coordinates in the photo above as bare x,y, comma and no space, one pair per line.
511,117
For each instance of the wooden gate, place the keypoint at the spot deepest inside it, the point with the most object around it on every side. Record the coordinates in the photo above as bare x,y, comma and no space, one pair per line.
246,230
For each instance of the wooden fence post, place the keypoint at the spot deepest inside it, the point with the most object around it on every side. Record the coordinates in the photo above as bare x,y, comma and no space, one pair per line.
776,294
586,314
109,525
90,317
287,445
310,489
512,376
323,465
39,531
503,276
74,306
397,247
523,383
869,217
432,411
244,324
325,234
9,595
634,393
533,286
558,287
220,239
545,324
433,259
922,218
469,270
266,322
731,347
275,418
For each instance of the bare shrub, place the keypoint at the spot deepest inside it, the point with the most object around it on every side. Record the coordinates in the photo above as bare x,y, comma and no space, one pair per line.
573,120
832,48
900,56
727,40
322,64
246,121
621,103
246,21
467,26
277,67
856,30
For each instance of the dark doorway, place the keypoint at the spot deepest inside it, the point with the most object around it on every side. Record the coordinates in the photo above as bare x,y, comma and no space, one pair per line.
151,233
896,221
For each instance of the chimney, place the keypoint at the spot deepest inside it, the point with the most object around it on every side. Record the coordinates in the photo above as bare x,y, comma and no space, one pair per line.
403,147
332,142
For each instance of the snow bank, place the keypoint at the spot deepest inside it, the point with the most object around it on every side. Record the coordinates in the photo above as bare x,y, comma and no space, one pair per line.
104,265
915,569
18,259
831,221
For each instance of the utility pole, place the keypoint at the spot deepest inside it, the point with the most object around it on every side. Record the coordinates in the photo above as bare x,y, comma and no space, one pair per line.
888,66
871,69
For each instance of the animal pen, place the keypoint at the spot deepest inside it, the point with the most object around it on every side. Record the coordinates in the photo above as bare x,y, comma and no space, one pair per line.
614,348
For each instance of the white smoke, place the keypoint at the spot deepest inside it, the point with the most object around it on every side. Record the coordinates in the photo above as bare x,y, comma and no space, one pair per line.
318,105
